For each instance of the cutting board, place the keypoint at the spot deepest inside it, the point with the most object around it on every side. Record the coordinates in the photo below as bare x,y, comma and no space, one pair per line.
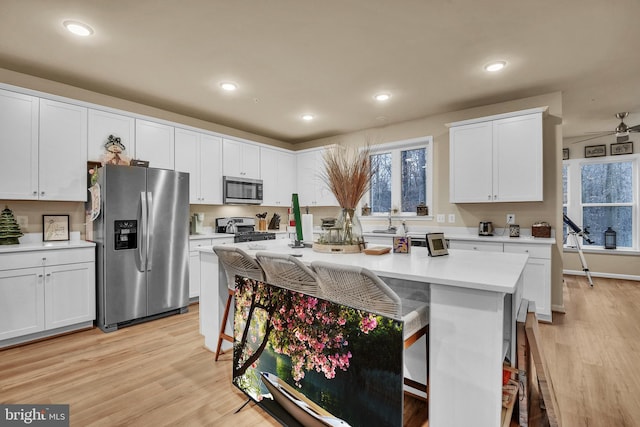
377,250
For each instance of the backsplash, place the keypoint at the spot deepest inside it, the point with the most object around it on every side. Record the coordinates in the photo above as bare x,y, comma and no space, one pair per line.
33,211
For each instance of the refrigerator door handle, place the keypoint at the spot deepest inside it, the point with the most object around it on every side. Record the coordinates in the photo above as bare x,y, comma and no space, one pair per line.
142,235
149,230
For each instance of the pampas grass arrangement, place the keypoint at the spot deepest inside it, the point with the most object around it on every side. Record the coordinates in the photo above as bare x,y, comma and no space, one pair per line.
347,173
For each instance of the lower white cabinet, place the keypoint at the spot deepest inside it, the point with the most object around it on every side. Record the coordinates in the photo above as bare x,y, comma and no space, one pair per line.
194,261
48,292
537,272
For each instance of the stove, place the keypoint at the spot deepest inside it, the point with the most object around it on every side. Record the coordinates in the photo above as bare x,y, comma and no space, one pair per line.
243,229
252,236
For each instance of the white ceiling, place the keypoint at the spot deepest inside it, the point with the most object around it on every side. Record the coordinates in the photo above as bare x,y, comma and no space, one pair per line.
329,57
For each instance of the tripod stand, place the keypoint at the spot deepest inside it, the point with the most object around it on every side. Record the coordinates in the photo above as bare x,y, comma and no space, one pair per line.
577,236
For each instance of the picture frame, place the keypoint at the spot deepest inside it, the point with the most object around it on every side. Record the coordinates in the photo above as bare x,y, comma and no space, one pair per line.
565,154
621,148
55,228
436,244
595,150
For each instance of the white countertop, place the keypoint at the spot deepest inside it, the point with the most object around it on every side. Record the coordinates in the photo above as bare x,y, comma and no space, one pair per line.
46,246
473,237
489,271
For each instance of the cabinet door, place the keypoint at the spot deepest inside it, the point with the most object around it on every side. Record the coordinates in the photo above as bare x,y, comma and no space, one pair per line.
155,143
470,163
517,174
62,151
241,159
194,274
101,125
69,294
306,178
537,286
187,159
19,145
278,174
210,170
21,302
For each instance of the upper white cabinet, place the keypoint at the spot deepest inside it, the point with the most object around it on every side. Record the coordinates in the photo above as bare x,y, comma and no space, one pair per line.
278,175
200,155
312,190
240,159
101,125
44,149
62,151
497,159
19,144
155,143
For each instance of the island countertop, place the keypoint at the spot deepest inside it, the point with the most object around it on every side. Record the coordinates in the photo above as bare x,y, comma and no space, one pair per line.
487,271
473,296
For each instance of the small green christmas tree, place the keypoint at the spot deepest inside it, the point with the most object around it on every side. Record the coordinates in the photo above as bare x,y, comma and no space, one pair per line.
9,228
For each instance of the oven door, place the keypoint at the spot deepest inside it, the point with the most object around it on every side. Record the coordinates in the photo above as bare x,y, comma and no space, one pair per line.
242,190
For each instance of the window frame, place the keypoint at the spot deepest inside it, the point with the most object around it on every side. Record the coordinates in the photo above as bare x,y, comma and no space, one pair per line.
395,148
575,204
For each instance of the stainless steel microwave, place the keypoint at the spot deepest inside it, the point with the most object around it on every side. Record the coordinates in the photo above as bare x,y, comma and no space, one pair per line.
245,191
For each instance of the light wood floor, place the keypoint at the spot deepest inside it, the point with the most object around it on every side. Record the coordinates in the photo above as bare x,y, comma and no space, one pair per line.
159,374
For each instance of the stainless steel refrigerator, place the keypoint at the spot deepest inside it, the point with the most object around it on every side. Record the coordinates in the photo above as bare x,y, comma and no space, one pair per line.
142,240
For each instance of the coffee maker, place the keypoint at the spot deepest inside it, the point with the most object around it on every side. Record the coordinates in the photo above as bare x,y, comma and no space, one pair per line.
197,222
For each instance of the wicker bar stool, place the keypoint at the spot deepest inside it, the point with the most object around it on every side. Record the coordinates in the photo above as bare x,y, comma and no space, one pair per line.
288,272
234,261
361,288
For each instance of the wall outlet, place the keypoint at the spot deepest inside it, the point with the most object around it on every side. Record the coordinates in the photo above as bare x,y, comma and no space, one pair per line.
452,217
440,218
23,221
511,218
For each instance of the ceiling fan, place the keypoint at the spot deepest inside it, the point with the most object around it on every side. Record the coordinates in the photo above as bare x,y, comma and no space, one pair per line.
621,131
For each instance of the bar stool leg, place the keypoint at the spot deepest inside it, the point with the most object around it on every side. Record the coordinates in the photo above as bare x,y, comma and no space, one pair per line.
222,335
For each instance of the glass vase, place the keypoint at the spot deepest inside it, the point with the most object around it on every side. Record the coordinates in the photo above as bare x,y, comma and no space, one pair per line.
349,227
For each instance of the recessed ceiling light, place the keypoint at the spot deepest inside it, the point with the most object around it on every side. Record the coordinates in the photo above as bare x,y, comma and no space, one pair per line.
307,117
78,28
228,86
382,96
495,66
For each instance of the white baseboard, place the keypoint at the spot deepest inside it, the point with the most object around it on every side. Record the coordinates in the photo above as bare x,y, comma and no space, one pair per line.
604,275
558,308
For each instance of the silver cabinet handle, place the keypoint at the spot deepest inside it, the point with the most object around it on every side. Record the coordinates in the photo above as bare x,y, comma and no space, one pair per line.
35,193
42,193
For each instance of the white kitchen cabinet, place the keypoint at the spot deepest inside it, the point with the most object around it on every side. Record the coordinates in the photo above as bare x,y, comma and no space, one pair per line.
62,151
537,276
497,158
19,144
278,169
312,190
200,155
240,159
194,261
476,246
45,292
22,302
537,272
155,143
44,149
101,125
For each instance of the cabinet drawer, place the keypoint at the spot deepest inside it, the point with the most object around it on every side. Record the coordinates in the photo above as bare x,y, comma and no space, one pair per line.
475,246
195,244
534,251
45,258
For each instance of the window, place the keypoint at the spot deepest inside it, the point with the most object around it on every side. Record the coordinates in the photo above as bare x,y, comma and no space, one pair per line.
602,193
401,176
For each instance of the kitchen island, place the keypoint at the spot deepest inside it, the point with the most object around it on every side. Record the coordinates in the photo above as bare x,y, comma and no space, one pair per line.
473,299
